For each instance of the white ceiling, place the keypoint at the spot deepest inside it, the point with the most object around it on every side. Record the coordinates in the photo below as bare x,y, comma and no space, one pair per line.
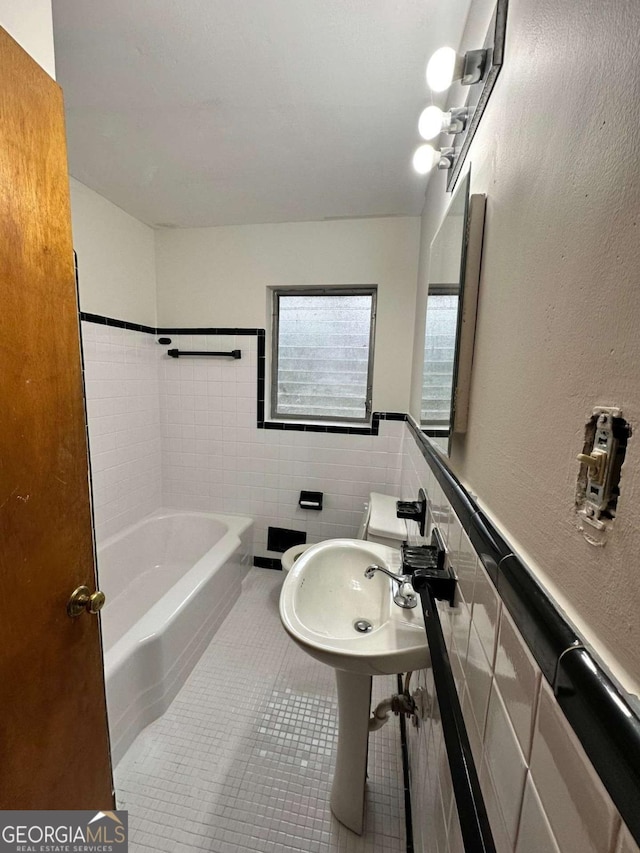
220,112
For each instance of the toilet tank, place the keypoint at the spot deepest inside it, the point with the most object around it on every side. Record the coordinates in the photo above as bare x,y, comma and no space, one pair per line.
380,522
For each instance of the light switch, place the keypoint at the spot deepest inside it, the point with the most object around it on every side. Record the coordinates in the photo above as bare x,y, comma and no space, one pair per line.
601,461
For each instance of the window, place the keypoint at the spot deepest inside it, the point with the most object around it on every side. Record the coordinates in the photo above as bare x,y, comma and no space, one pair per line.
322,353
439,352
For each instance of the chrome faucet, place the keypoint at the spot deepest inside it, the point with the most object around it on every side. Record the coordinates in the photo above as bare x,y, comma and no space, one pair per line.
405,596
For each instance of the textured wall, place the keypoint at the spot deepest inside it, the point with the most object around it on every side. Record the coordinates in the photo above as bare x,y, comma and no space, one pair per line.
116,259
557,154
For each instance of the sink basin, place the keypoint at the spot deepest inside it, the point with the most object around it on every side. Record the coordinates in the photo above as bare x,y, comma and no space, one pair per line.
326,595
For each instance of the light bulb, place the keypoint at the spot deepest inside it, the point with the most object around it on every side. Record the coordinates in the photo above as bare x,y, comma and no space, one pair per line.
441,68
424,159
430,122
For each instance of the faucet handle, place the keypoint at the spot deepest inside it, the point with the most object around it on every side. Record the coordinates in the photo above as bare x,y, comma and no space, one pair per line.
405,597
406,588
414,510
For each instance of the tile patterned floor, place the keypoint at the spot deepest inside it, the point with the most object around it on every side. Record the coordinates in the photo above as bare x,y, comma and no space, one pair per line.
242,761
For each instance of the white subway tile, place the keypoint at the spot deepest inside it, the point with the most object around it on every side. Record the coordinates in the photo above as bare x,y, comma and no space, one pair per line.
534,834
485,612
456,843
518,678
465,560
440,824
505,762
496,821
478,673
579,809
460,619
475,738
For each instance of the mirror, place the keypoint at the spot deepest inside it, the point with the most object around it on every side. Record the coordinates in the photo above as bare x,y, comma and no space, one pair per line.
454,271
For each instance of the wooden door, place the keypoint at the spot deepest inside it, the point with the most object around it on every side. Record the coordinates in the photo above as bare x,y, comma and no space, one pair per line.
54,745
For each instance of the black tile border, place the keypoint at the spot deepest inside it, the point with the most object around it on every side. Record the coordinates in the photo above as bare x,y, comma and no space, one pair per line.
267,563
404,747
119,324
261,386
204,330
101,320
475,827
374,429
604,717
262,422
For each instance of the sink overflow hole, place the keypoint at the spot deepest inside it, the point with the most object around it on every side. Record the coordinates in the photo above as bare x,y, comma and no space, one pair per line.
363,626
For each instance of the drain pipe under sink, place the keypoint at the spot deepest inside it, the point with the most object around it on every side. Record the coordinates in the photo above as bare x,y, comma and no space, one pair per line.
399,703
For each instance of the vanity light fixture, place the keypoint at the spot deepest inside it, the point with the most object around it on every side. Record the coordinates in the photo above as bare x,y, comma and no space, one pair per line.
446,65
443,68
475,69
426,157
433,121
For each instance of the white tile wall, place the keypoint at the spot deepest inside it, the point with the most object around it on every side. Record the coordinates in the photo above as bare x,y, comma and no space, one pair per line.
541,792
535,832
215,458
182,433
505,762
518,678
123,411
579,810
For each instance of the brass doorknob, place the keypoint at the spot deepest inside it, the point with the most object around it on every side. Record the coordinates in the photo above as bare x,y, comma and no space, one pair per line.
81,599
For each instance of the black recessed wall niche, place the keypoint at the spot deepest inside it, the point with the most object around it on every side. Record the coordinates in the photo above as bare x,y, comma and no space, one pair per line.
267,563
281,538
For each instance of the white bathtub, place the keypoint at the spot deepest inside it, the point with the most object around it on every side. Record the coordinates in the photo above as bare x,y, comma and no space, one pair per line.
169,580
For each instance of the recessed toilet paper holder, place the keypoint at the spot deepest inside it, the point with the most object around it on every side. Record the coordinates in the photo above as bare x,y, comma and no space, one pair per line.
311,500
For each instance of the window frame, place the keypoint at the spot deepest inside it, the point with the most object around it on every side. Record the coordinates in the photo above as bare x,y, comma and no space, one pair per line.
324,290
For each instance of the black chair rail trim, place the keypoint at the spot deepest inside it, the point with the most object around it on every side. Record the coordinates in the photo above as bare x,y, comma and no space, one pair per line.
605,718
472,813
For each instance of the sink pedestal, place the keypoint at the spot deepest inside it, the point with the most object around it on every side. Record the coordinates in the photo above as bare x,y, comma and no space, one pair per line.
324,603
354,707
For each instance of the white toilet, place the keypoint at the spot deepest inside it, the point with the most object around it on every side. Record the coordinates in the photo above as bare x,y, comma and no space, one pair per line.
291,555
379,524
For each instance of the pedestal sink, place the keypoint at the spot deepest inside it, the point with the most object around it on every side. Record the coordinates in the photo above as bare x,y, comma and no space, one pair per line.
352,624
